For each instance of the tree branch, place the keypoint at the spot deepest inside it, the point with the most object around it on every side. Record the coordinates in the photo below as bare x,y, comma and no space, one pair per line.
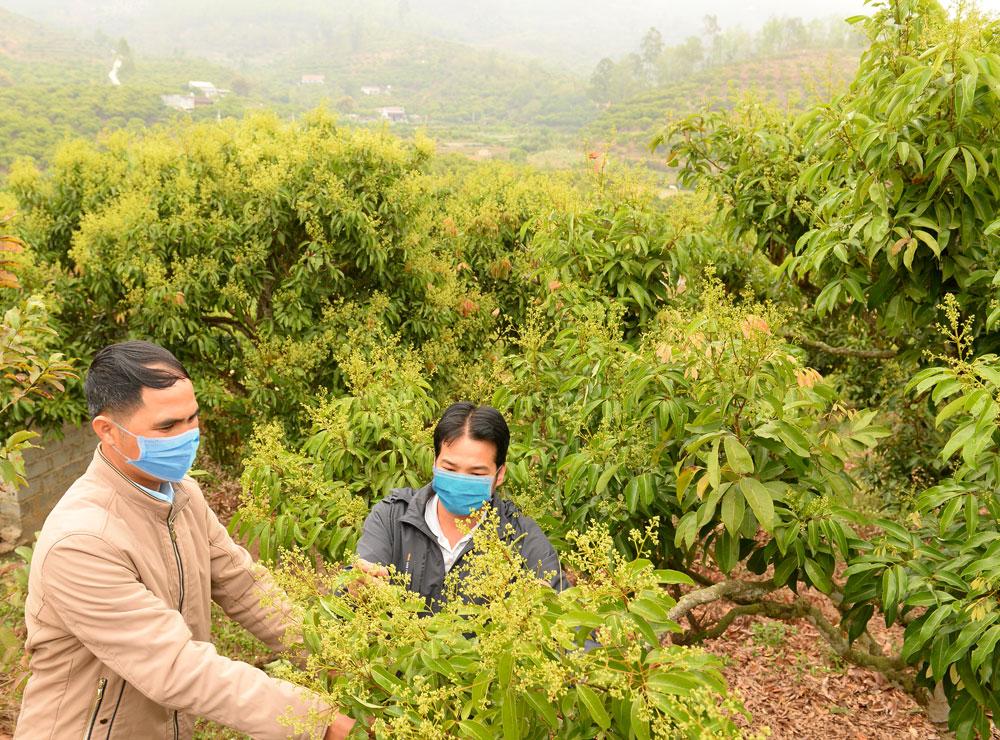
719,627
870,354
733,590
749,597
229,322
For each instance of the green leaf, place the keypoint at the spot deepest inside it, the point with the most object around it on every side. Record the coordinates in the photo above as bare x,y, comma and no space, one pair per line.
984,650
475,729
960,438
727,551
733,509
18,438
543,707
970,166
713,465
508,714
793,437
594,706
648,609
760,502
602,482
929,240
673,576
385,679
639,725
817,576
737,455
681,684
505,665
942,166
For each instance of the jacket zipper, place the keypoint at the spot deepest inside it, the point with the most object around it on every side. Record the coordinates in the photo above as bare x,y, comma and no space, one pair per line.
180,605
114,713
101,685
177,556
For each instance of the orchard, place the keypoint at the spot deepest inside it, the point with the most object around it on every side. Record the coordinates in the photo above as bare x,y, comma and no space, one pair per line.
700,388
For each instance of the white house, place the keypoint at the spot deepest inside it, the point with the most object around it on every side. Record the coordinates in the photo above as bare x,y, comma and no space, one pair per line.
206,89
393,113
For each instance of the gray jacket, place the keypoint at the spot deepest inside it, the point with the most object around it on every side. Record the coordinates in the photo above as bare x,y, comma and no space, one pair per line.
395,533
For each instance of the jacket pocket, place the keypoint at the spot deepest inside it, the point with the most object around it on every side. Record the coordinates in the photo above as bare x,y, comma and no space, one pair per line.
102,686
108,703
109,723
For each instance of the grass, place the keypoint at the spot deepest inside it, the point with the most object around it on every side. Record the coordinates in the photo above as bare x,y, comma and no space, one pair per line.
770,633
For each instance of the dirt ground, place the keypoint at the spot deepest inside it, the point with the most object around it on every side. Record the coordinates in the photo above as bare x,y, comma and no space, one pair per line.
793,684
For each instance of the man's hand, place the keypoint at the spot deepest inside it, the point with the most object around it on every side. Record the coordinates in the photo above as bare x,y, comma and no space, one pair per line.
340,728
372,569
368,570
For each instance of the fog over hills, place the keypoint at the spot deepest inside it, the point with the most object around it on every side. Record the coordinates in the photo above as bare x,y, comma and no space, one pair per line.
574,33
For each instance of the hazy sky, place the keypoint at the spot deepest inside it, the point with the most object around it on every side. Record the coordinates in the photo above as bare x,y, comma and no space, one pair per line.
572,31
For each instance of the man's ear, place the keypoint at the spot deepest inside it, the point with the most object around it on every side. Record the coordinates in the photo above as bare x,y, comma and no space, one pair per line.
501,474
105,431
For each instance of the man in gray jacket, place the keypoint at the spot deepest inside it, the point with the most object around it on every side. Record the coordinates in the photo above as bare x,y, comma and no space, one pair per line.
426,532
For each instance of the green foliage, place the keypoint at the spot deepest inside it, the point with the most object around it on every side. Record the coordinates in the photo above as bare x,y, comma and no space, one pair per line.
750,158
792,80
938,574
509,658
881,199
625,249
906,203
29,371
234,250
13,591
769,447
289,504
770,634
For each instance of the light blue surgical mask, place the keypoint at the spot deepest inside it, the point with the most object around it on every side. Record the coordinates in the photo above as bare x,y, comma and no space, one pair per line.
164,458
462,494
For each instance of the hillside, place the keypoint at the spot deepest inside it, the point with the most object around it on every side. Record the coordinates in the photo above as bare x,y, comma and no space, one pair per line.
438,82
54,86
25,40
794,79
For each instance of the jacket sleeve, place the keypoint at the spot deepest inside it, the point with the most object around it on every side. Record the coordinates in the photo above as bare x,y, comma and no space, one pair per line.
539,555
98,597
377,536
246,591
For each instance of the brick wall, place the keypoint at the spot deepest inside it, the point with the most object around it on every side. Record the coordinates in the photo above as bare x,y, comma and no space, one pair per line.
50,471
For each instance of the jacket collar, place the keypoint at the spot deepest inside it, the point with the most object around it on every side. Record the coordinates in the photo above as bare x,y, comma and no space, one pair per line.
415,507
132,493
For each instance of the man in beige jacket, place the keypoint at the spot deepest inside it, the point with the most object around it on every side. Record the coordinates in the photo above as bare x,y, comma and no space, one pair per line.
124,574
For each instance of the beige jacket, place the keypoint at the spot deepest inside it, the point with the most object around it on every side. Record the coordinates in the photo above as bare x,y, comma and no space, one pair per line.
118,617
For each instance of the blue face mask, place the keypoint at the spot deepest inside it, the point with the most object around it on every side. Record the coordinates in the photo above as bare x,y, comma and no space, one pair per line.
462,494
165,458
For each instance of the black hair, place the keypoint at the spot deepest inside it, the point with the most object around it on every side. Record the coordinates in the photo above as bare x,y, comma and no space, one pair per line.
119,372
482,423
